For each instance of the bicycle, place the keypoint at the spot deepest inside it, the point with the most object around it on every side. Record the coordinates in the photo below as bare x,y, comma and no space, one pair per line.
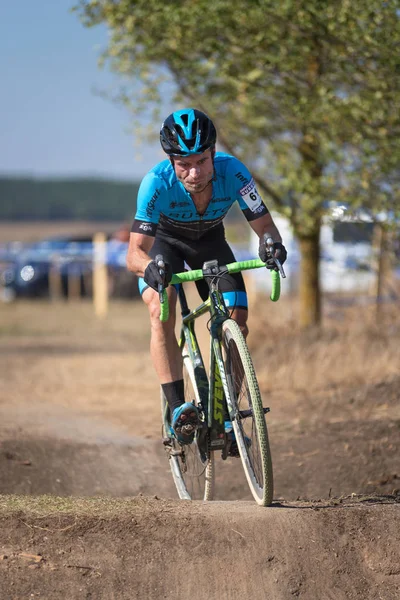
228,397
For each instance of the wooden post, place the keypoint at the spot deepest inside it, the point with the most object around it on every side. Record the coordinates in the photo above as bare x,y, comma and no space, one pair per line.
100,286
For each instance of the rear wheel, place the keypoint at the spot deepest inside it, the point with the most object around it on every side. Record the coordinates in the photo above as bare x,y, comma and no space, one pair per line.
192,469
249,420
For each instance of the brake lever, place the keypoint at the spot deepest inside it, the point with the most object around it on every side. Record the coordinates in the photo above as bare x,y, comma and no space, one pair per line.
280,268
161,266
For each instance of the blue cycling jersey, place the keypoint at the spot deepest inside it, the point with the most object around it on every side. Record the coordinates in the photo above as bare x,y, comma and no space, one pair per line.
164,202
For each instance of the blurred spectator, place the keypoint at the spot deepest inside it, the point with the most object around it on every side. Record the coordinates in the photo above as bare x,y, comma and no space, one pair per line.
122,234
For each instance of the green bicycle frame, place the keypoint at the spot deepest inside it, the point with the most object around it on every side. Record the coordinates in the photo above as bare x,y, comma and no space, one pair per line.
214,391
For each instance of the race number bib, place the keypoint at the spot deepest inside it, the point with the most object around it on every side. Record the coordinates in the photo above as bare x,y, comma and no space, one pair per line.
251,196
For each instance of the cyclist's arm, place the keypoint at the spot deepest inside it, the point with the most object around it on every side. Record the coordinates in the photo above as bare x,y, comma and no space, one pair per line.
137,257
145,223
265,224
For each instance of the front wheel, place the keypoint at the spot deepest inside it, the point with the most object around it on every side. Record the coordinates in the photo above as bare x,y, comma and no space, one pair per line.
192,465
248,418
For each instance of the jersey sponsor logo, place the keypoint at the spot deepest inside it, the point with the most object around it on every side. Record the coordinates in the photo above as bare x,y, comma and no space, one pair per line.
216,211
251,196
182,216
175,204
146,226
216,200
241,177
188,216
152,203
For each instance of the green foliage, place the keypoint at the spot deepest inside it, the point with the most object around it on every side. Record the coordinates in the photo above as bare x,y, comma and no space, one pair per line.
306,92
73,199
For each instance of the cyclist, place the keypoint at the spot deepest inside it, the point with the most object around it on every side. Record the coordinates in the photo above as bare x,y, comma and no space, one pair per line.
181,204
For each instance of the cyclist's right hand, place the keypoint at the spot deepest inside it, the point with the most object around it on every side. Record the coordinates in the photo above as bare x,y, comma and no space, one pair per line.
153,277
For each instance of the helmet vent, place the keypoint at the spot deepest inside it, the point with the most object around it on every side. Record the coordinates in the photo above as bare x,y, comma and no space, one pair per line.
186,132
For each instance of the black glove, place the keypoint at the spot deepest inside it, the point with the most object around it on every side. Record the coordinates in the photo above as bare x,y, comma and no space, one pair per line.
279,252
153,278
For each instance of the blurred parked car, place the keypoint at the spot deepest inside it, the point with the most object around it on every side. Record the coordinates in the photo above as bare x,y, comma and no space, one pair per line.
27,271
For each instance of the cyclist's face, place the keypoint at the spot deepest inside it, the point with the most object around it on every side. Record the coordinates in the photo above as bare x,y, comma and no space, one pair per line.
195,172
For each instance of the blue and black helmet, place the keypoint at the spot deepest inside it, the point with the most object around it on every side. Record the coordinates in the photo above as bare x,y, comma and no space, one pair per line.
186,132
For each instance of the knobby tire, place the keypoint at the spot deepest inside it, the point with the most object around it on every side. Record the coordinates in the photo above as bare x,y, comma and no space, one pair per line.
245,396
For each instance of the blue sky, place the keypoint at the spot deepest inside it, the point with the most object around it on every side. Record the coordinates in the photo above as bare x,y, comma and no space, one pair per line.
52,122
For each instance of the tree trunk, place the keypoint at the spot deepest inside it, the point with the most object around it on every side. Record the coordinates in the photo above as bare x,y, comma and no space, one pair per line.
310,295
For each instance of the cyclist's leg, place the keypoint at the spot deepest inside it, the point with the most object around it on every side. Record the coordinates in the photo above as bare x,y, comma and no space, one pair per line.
165,352
164,349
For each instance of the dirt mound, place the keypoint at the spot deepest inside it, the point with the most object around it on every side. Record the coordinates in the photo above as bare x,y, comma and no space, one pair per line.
155,549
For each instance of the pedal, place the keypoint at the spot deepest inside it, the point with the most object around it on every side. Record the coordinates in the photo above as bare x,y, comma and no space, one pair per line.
187,428
167,441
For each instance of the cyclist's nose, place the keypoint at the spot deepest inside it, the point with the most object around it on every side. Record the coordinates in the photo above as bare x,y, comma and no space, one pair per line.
194,172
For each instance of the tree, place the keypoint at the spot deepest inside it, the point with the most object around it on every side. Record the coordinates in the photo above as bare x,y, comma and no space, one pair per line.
303,91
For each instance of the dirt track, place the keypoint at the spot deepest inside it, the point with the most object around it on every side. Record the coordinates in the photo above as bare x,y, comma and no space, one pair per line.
79,419
165,549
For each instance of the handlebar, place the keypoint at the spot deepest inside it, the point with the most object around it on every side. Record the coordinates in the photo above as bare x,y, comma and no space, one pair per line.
234,267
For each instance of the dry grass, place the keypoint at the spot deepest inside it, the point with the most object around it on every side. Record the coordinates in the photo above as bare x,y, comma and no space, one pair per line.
351,349
49,505
74,320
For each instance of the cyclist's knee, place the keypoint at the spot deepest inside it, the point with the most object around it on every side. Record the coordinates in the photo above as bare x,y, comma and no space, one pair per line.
152,300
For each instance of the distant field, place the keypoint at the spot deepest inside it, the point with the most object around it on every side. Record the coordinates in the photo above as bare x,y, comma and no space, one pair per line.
31,231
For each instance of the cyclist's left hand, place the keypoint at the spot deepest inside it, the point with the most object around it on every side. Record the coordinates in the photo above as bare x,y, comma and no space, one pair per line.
279,253
153,278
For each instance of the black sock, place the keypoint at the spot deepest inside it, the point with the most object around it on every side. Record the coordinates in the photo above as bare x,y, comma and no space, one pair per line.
174,393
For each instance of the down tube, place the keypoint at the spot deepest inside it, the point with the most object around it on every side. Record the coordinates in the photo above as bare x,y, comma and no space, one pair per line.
219,370
189,338
216,416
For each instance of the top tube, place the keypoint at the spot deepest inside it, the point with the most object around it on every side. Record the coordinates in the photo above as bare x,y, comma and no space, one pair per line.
234,267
